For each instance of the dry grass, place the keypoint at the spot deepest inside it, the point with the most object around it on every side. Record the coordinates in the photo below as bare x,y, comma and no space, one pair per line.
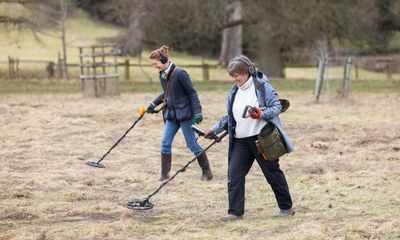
344,176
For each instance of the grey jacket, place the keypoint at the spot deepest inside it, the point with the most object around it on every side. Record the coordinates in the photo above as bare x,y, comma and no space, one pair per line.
267,97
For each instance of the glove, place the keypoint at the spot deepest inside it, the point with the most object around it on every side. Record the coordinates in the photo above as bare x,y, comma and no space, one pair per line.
150,108
198,118
210,134
255,113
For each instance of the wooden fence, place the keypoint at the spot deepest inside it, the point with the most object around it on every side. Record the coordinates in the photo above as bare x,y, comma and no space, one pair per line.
54,69
16,68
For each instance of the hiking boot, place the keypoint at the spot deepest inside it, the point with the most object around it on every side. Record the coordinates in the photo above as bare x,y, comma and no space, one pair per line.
205,167
230,217
285,213
165,166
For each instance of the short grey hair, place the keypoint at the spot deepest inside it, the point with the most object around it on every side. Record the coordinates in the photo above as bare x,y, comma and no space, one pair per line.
239,65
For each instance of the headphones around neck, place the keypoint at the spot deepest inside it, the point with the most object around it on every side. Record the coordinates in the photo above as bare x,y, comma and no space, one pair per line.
163,58
250,67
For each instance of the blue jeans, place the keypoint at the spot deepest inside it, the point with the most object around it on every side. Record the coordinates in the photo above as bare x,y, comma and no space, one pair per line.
170,130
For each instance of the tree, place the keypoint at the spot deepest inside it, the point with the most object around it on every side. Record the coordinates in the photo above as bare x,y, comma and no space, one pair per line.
63,19
231,45
20,19
130,14
279,26
388,23
39,16
191,26
272,29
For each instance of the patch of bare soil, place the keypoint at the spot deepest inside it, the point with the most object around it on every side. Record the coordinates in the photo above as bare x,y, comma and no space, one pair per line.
16,214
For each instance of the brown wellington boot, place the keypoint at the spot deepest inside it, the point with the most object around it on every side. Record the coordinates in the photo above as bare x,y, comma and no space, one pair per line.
165,166
205,167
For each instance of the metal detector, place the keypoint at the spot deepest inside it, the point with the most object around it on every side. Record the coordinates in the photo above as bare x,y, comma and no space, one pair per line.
97,164
145,204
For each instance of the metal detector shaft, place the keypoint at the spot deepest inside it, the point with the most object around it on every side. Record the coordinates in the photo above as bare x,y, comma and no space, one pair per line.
119,140
184,167
127,131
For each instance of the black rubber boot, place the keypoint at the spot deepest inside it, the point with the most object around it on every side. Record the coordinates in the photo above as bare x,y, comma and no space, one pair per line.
205,167
165,166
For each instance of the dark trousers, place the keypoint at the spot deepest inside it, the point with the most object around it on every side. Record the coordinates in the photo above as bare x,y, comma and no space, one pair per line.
244,151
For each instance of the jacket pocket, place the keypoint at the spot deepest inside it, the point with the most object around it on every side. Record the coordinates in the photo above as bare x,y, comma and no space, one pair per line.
183,110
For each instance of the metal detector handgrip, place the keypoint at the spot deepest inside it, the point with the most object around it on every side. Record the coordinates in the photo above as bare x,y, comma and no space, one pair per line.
157,111
250,109
202,133
198,130
220,137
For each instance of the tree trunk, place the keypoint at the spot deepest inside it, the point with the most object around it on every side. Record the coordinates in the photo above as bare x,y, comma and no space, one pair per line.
64,9
269,58
231,36
135,33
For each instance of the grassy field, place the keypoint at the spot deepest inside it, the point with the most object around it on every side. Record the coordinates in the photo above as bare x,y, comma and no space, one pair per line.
343,176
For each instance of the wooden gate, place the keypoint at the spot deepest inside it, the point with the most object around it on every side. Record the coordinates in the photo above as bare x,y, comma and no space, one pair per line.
99,70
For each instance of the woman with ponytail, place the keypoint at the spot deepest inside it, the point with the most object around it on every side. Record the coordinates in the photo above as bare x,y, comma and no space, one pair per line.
181,108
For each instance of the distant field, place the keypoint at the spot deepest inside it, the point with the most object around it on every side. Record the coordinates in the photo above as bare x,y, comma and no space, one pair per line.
84,31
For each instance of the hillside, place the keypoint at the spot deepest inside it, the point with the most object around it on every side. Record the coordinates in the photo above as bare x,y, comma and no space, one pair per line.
81,31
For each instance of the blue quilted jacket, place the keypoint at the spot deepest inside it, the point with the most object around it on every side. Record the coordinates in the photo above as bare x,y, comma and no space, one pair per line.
182,100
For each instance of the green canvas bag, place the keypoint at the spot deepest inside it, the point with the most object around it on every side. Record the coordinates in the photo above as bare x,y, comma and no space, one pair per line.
270,143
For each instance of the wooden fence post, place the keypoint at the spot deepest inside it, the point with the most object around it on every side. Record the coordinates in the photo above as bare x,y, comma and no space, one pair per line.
9,67
81,68
127,77
96,87
16,68
326,77
206,71
388,71
346,77
50,70
320,77
356,69
59,66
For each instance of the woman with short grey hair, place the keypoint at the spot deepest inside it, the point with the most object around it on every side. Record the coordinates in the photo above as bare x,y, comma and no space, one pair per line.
252,88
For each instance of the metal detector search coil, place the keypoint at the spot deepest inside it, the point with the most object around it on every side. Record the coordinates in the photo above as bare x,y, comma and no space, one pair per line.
94,164
140,205
97,164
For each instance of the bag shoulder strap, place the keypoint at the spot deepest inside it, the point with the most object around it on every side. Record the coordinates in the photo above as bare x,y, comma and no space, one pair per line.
169,80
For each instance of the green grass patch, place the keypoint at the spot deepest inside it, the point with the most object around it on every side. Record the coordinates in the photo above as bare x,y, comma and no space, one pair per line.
19,195
299,85
376,86
40,87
